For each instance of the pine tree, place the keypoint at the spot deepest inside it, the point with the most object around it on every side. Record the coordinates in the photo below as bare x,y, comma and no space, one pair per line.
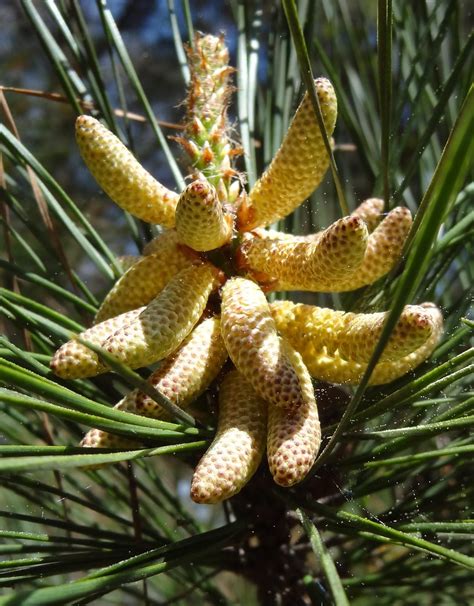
276,383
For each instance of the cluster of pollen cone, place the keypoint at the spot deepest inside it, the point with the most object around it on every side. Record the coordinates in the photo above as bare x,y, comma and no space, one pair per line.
207,323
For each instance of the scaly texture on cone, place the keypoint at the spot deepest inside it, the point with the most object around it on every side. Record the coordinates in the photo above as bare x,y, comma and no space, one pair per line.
314,330
335,369
74,360
298,166
146,278
188,372
159,329
206,137
126,261
238,446
384,248
256,349
167,320
370,211
201,222
300,264
293,441
121,176
181,378
97,438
